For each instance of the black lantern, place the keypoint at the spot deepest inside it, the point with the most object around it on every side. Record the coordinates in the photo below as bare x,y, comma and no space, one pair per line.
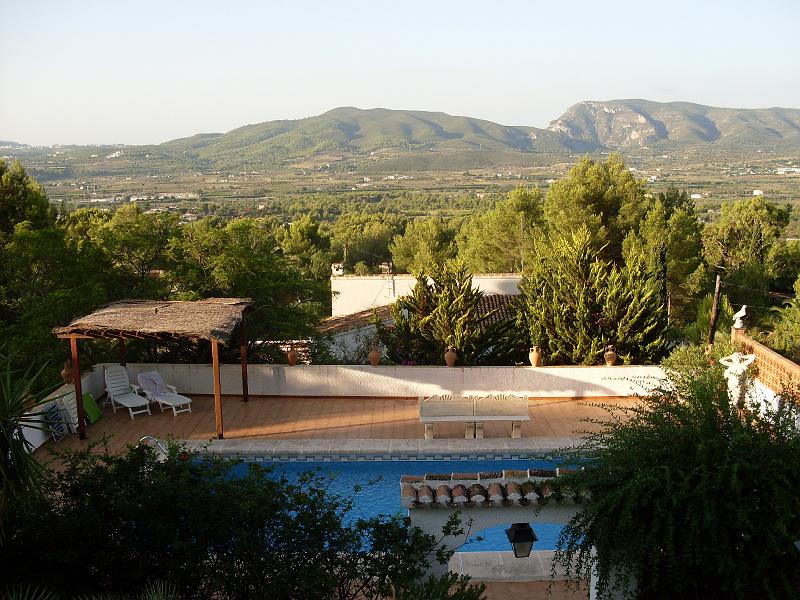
521,536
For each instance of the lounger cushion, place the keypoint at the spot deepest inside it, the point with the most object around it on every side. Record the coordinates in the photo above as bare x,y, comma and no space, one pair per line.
93,412
153,383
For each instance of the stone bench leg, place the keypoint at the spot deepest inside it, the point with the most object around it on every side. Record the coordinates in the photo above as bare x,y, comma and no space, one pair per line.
516,429
428,431
469,430
479,430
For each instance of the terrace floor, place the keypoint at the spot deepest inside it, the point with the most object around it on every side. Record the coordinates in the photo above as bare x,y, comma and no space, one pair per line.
313,418
532,590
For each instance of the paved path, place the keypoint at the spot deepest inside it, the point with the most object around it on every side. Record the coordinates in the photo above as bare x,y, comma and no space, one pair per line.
386,449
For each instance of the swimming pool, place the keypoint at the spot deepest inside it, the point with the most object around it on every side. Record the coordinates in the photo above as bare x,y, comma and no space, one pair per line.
384,497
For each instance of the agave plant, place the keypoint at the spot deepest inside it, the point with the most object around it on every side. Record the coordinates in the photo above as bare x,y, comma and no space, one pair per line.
21,391
28,592
157,590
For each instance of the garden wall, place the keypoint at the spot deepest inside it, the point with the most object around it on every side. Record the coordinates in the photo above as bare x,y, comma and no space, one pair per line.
404,381
773,370
92,382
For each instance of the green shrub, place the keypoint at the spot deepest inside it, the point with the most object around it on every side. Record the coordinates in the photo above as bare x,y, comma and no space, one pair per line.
112,524
690,496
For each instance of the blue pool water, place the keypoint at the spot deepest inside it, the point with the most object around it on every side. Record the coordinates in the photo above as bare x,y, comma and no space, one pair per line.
383,497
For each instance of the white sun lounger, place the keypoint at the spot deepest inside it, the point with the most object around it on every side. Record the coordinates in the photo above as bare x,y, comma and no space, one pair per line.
166,395
123,393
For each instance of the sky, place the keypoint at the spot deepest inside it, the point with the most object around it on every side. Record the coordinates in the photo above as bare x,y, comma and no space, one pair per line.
85,72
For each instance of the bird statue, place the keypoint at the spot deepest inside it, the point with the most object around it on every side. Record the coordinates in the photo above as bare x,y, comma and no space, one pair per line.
739,316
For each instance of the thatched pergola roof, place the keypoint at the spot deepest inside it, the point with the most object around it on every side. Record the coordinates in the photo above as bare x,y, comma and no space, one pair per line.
210,319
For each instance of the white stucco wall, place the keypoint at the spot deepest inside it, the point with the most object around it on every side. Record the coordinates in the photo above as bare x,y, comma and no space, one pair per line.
402,381
347,345
354,293
476,519
91,382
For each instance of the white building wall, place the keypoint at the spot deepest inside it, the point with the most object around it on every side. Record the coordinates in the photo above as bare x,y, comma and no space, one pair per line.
474,520
349,346
354,293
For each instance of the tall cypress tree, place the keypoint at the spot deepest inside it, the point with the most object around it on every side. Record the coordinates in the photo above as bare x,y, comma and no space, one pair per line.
442,310
576,303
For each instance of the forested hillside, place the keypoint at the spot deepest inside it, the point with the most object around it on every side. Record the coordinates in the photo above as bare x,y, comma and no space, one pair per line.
597,232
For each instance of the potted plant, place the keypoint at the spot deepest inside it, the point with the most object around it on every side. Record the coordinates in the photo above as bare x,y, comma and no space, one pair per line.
610,355
535,356
374,356
450,356
291,356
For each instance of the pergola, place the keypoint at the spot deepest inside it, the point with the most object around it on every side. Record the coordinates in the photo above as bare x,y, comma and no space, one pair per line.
213,319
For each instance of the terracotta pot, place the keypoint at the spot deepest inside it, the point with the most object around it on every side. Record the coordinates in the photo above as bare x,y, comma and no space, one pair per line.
450,356
535,356
610,356
291,357
66,372
374,356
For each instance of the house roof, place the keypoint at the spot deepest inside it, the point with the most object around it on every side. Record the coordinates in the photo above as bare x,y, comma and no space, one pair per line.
500,303
210,319
352,321
487,489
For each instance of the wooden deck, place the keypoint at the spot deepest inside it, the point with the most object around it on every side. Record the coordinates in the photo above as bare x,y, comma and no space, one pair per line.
328,418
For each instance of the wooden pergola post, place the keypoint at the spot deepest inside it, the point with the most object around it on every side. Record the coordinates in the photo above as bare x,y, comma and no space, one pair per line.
76,379
217,389
243,354
122,351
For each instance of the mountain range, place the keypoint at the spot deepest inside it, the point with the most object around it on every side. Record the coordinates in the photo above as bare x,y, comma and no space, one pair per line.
585,127
441,141
627,124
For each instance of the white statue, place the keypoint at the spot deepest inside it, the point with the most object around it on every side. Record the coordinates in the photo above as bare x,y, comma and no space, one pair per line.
736,373
739,316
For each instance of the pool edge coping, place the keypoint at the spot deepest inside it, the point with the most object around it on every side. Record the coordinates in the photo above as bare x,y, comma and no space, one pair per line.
382,449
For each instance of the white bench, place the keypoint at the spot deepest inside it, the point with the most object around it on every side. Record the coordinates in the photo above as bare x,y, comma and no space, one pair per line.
501,408
473,412
447,409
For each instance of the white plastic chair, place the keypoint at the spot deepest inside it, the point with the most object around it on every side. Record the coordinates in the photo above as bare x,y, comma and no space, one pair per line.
123,393
166,395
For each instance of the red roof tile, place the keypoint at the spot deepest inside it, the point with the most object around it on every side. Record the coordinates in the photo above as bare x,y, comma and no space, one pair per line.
466,488
499,305
352,321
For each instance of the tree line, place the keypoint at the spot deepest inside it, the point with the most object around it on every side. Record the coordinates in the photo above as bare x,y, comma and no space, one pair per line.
596,239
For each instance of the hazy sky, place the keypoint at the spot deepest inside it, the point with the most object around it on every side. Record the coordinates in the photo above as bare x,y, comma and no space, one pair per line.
146,72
